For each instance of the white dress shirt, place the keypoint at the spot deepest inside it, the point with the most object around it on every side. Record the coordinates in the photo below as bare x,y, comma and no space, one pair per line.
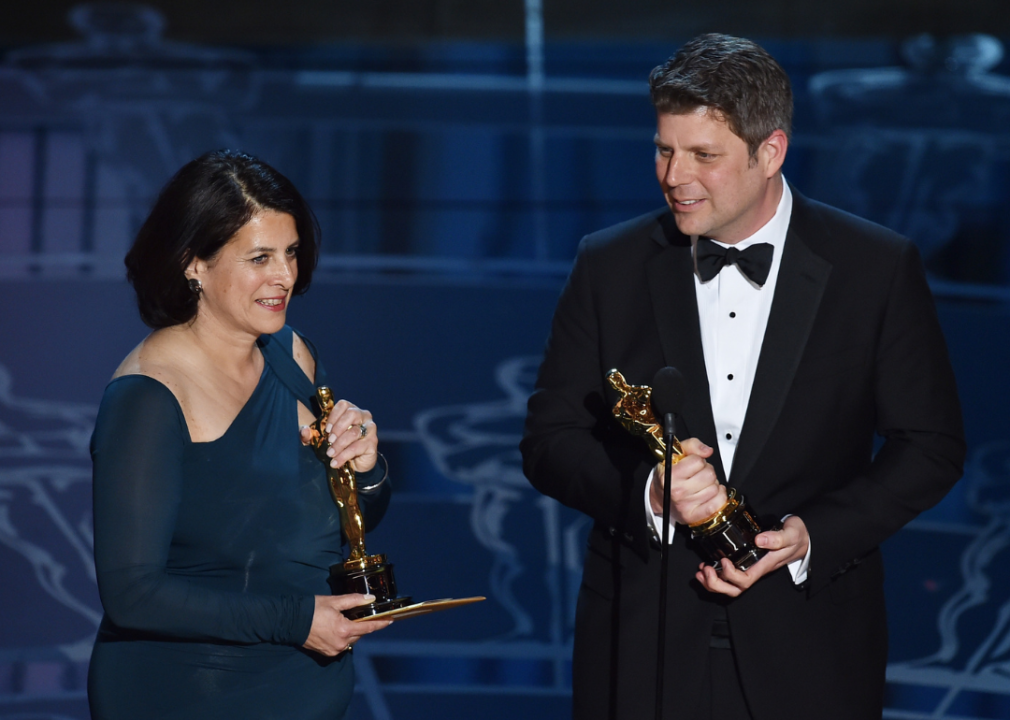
733,314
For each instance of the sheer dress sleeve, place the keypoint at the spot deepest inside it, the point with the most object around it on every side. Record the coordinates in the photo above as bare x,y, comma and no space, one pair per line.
137,448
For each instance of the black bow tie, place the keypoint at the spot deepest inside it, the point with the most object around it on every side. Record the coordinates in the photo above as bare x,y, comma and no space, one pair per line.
755,262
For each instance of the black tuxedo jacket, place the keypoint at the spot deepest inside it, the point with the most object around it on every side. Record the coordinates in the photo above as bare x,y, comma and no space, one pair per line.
853,349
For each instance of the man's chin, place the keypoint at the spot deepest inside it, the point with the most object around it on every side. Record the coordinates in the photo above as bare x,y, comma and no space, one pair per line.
689,225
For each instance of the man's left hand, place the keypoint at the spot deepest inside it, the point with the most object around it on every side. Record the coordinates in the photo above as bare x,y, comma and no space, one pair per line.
784,546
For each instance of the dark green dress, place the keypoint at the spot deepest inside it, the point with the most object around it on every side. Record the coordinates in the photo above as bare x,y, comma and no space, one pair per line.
209,555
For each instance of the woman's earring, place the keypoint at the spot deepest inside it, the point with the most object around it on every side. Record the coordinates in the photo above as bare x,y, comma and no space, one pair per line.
195,286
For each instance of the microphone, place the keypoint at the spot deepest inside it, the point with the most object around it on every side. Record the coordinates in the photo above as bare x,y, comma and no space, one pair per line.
668,388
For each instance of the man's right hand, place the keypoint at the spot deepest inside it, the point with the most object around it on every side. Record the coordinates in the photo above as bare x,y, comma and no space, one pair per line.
695,492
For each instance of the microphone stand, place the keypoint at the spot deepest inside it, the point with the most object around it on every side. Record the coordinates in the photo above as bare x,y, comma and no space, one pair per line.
669,430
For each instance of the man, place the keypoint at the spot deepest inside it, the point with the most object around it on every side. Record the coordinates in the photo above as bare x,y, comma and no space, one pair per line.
828,339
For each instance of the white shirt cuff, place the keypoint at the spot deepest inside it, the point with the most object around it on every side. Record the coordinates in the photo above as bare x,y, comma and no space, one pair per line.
655,521
798,568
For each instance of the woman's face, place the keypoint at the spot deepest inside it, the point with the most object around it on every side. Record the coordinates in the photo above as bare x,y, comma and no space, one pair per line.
247,285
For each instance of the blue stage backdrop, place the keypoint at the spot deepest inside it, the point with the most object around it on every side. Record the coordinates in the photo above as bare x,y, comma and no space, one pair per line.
451,206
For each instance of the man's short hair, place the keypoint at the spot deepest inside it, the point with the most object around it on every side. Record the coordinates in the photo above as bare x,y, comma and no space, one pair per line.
733,76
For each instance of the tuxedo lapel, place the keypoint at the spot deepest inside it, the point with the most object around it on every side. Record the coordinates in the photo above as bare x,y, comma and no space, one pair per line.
671,290
802,278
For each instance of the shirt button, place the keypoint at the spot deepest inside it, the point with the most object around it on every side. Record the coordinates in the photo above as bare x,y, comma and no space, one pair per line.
730,376
729,436
732,314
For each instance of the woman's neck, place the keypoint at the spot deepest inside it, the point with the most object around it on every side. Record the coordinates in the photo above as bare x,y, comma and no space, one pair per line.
228,350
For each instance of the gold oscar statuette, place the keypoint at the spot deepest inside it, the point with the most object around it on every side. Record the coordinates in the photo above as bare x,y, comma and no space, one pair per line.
728,533
361,572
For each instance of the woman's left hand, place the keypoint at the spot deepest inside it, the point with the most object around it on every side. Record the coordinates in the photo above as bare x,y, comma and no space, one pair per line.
352,436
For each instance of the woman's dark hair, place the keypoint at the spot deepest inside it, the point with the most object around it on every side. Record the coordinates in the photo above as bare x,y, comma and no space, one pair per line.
197,213
733,76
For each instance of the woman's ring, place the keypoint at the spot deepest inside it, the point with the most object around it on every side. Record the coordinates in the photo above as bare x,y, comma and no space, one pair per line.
364,429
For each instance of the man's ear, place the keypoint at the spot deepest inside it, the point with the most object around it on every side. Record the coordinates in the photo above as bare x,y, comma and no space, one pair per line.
772,152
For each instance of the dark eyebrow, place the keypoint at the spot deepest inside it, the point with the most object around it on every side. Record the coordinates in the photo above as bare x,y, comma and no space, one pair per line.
704,147
259,249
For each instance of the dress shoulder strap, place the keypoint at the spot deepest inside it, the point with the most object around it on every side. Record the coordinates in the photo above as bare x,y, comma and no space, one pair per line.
278,354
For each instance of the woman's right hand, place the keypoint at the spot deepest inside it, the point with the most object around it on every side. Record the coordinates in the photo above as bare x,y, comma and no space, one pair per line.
331,632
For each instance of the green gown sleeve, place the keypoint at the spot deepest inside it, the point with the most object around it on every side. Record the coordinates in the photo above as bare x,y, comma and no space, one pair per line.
137,449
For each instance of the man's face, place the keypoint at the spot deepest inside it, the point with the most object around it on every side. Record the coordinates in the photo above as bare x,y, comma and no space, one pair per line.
710,181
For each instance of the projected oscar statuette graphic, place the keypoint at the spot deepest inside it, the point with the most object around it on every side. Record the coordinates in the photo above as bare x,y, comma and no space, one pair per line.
361,572
730,532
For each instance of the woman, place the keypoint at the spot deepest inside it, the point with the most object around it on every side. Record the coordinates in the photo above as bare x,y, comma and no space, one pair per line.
214,525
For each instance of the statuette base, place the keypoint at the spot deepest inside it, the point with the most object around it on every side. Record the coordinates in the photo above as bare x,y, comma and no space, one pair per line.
370,575
729,534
